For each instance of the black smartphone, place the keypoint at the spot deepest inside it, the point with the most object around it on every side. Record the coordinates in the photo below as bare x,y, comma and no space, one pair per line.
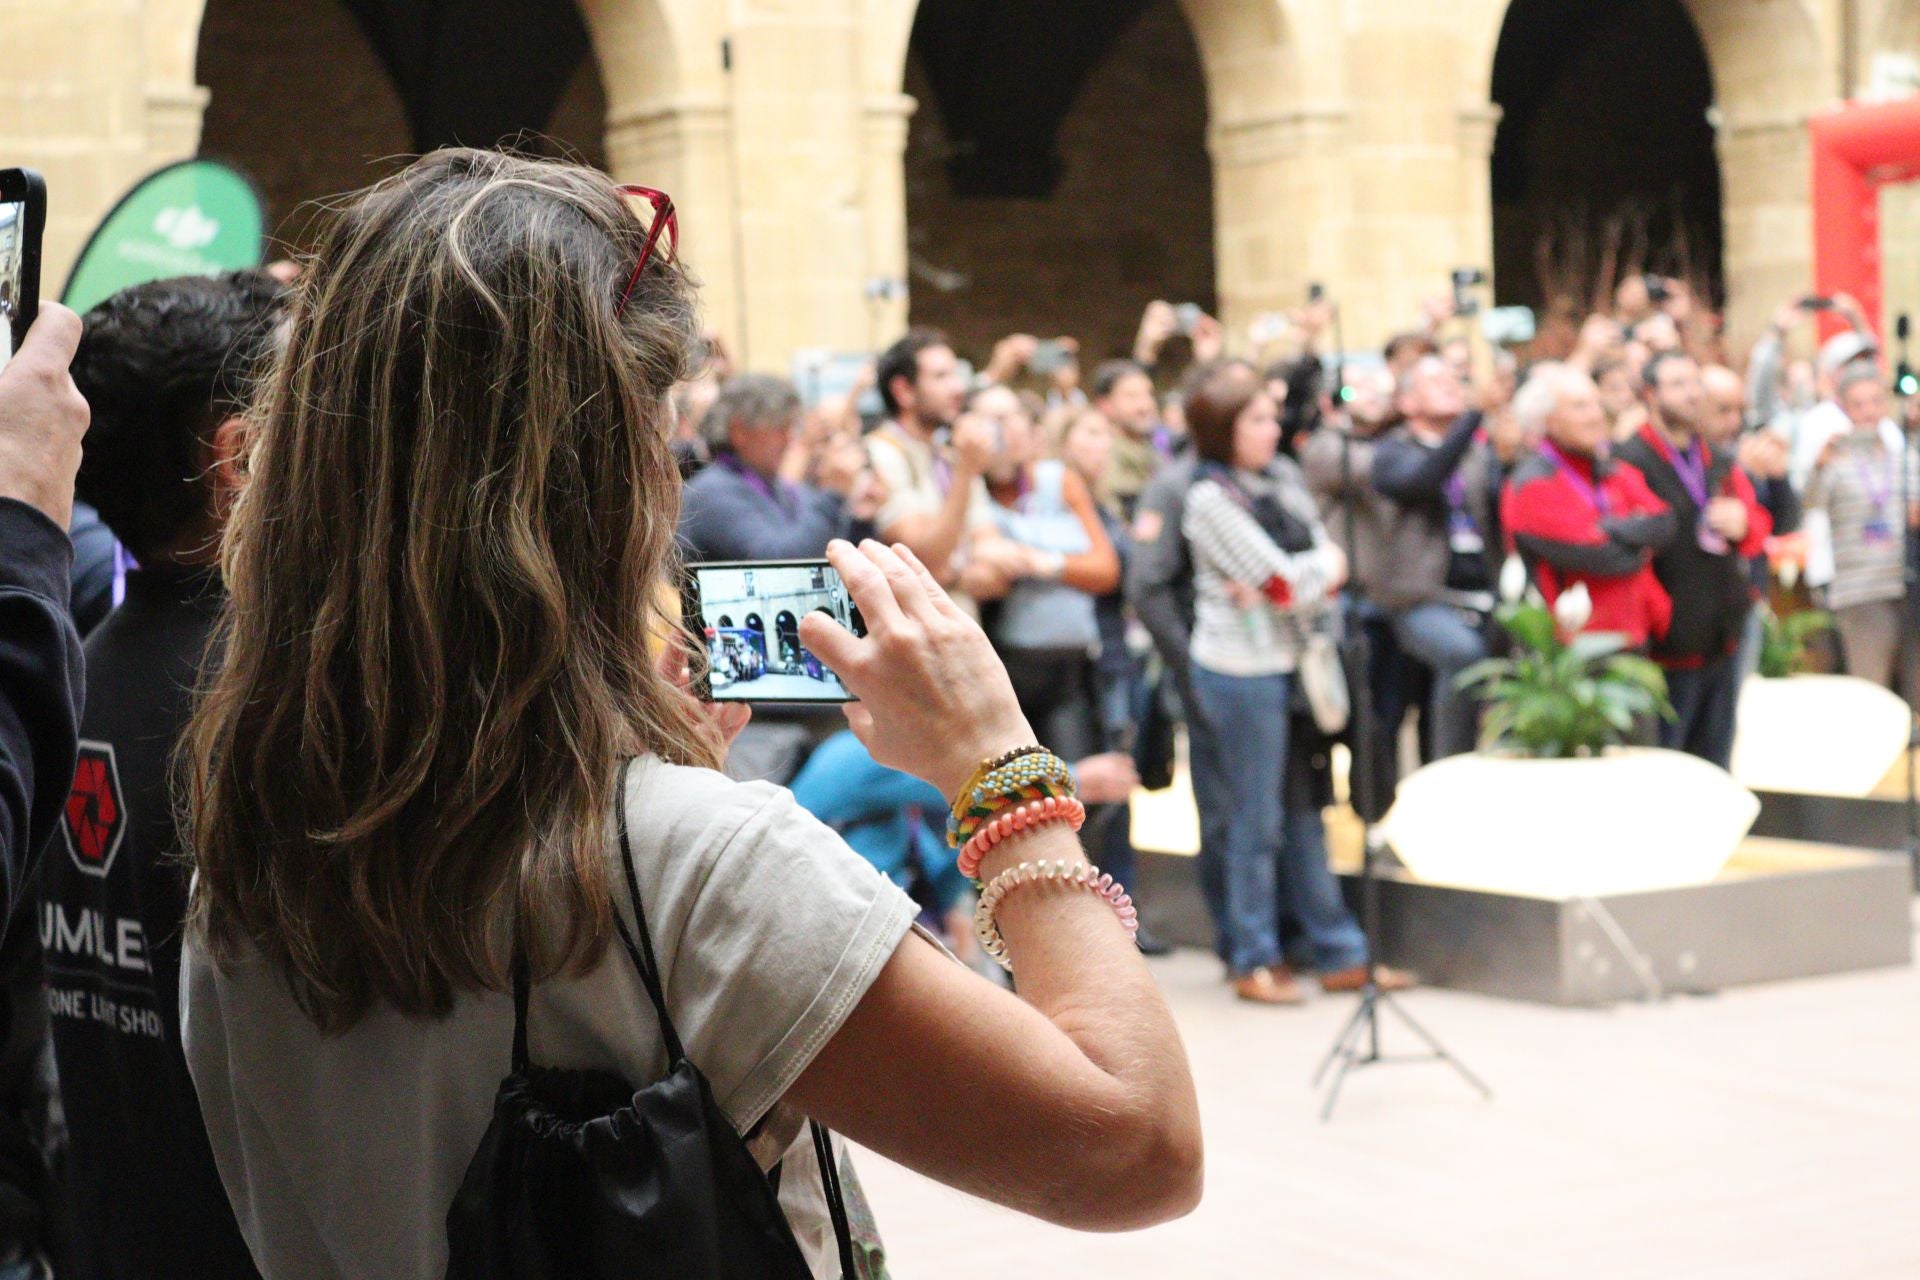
1816,302
23,220
746,613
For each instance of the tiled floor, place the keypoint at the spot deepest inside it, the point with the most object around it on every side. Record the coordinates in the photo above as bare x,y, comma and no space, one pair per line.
1765,1134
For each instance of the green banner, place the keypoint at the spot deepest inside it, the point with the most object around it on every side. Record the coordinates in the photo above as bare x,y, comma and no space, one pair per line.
195,218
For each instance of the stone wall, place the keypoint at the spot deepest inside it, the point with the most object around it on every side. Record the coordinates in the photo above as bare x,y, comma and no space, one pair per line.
1349,142
1131,220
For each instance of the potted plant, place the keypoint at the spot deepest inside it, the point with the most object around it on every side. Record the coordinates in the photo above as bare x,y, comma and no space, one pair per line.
1565,692
1555,804
1783,641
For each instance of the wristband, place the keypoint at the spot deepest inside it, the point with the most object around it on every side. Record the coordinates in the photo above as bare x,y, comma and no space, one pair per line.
987,766
1032,775
1030,816
1076,874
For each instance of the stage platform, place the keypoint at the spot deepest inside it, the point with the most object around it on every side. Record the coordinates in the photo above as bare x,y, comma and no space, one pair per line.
1782,908
1876,821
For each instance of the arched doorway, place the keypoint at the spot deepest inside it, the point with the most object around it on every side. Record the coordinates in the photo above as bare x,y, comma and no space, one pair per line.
1770,64
759,634
786,630
1604,161
1057,174
317,97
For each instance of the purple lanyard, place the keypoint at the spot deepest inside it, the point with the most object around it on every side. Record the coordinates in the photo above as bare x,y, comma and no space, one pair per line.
1877,482
122,562
1690,466
1586,488
756,481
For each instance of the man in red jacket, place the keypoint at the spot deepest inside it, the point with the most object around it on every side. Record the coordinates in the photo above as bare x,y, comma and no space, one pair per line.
1574,517
1704,567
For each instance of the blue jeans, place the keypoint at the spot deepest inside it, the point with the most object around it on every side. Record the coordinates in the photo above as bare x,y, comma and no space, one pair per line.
1705,701
1215,803
1446,644
1248,718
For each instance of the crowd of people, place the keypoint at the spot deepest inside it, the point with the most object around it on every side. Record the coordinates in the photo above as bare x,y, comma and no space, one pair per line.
375,566
1140,552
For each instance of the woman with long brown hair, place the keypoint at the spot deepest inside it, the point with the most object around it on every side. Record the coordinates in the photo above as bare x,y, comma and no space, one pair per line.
445,574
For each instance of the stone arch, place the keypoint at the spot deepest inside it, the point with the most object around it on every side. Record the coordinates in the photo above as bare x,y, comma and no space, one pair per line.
1259,137
302,126
1772,64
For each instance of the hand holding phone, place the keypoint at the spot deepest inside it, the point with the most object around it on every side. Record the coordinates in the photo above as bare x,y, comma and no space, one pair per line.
43,417
934,697
23,221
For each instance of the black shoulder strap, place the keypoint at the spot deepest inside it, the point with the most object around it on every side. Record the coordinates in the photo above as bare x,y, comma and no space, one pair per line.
519,1004
649,970
642,955
836,1205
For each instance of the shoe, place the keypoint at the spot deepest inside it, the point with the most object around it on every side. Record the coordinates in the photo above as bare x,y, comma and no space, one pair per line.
1344,980
1269,986
1151,944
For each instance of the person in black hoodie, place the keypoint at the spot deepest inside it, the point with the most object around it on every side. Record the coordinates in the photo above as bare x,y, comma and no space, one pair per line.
42,418
1721,526
166,367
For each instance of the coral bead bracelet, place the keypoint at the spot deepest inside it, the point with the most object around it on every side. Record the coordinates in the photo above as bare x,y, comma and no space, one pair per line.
1031,816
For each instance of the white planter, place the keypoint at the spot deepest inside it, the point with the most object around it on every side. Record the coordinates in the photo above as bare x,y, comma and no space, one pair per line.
1629,821
1819,735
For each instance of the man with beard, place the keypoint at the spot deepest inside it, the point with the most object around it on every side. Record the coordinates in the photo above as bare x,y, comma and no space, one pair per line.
1704,567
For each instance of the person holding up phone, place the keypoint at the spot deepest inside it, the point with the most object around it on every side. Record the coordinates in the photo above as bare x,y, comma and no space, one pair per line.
405,783
740,507
42,419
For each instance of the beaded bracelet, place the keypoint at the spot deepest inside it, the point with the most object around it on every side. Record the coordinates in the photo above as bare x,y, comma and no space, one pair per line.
1079,874
1034,776
1000,761
1030,816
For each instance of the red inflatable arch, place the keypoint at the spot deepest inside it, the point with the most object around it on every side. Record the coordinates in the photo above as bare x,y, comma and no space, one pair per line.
1857,148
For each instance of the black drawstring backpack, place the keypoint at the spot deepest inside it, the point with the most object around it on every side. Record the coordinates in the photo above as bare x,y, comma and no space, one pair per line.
581,1177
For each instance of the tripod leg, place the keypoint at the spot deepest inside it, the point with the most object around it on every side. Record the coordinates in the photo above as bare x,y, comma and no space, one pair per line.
1439,1050
1348,1060
1343,1047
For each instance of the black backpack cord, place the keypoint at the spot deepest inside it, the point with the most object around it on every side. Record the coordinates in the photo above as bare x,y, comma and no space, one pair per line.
836,1206
643,960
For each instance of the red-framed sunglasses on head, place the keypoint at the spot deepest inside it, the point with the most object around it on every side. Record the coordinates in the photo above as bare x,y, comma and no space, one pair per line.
663,234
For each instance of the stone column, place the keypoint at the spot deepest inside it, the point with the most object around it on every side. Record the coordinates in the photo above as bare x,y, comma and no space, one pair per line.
1477,123
685,148
1282,198
1764,167
798,114
883,144
90,102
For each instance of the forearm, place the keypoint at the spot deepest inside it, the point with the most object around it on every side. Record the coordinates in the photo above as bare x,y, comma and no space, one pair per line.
1648,532
40,688
1405,472
936,536
1095,572
1078,968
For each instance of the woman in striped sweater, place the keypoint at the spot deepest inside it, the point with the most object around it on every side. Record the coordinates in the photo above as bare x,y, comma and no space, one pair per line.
1859,483
1265,576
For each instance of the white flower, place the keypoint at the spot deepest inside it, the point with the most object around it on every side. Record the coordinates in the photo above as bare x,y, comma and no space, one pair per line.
1513,580
1573,610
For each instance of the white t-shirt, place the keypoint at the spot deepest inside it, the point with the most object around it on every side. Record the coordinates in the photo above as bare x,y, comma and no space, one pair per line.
342,1154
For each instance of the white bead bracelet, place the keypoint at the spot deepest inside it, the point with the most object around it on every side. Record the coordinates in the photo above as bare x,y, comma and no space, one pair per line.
1078,874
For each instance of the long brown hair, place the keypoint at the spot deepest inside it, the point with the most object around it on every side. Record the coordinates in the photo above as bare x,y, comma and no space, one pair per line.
444,572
